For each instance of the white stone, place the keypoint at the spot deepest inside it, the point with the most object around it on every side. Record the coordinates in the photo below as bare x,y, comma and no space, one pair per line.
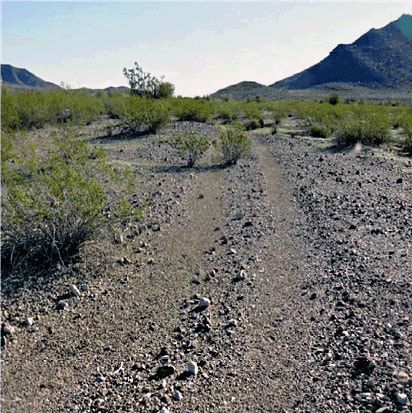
74,290
192,368
177,395
402,398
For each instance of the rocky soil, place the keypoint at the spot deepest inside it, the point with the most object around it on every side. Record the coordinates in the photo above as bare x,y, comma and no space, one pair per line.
279,284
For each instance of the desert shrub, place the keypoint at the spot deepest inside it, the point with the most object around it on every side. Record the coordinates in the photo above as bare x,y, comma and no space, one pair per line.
253,124
137,114
372,129
166,90
52,204
334,99
319,131
190,146
198,110
27,110
226,113
233,144
405,121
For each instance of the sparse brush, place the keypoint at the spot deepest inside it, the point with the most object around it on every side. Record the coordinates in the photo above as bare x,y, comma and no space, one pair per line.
334,99
143,114
371,130
319,131
233,144
52,204
190,147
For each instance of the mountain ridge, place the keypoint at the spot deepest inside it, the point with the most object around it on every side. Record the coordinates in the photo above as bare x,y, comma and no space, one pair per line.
380,58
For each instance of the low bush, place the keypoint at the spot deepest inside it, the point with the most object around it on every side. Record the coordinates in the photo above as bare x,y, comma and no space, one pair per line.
27,110
142,114
334,99
190,147
370,130
51,205
233,144
319,131
198,110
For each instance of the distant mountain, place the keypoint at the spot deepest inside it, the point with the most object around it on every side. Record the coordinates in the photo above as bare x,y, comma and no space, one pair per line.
110,89
381,57
17,78
238,90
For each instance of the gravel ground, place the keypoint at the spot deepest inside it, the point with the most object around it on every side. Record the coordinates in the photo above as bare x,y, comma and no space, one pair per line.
280,284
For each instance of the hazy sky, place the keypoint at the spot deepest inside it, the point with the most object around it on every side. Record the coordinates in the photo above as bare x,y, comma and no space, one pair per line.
199,46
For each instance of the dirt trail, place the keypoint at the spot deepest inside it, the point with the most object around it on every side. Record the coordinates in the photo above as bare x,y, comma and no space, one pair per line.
276,336
127,318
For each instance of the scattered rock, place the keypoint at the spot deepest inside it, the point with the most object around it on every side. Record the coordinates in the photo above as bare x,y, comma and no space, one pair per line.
401,398
203,304
74,290
61,305
177,396
165,371
192,368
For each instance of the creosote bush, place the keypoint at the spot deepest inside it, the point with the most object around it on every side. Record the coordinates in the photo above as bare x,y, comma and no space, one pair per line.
52,204
139,114
233,144
319,131
372,129
190,147
334,99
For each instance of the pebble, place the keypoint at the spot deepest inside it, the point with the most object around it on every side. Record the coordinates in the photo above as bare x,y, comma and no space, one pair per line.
61,305
192,368
74,290
28,322
8,330
164,410
402,376
177,396
203,304
401,398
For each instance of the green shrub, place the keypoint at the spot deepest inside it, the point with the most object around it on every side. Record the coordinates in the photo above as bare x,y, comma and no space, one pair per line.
199,110
51,205
190,147
27,110
371,130
334,99
137,114
233,144
319,131
252,124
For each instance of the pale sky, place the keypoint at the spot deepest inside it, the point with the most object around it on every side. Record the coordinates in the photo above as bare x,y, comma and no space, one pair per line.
198,46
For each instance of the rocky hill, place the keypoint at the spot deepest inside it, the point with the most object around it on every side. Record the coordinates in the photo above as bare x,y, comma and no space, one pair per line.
17,78
380,59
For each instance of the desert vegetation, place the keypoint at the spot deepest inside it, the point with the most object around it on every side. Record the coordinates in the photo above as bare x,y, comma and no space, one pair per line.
90,180
55,199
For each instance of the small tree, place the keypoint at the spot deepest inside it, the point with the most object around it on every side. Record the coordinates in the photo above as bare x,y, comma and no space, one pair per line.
145,85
